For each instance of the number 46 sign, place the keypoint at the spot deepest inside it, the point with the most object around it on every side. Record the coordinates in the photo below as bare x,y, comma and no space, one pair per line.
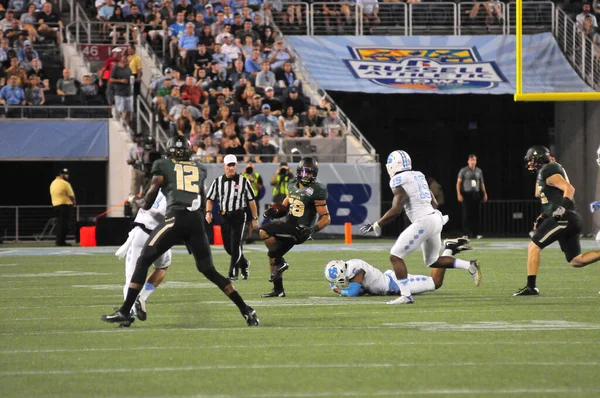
96,52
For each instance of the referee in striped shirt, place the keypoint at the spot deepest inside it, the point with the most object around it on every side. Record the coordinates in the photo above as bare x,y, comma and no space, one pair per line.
235,195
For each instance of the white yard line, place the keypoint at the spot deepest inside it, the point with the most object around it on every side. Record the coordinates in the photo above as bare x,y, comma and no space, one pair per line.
137,369
396,393
262,346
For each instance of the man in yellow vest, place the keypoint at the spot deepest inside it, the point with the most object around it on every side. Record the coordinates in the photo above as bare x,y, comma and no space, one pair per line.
257,185
280,181
63,199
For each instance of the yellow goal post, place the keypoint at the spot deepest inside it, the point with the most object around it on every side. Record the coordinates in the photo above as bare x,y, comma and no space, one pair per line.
554,96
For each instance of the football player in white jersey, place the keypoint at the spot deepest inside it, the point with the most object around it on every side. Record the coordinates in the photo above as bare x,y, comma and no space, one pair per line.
596,205
357,277
411,194
145,221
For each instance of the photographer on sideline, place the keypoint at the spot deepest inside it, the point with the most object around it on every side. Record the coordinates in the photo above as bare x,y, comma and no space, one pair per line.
256,183
280,181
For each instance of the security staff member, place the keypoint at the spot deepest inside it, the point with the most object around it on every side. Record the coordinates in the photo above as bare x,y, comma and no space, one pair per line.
470,190
63,199
235,195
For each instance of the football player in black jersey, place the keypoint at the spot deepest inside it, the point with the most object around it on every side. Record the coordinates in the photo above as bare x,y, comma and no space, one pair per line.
560,221
306,199
182,182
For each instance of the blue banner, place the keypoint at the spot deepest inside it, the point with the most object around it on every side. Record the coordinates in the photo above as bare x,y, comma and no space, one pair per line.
54,140
436,64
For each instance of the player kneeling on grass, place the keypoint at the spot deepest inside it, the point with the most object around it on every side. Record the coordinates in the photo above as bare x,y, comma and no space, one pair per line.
559,220
412,194
306,199
143,225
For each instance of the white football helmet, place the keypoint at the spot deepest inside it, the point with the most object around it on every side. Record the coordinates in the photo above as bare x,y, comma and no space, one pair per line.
335,273
398,161
598,156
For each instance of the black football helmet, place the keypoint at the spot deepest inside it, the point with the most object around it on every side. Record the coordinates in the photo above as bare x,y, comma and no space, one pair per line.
149,143
178,148
307,165
537,156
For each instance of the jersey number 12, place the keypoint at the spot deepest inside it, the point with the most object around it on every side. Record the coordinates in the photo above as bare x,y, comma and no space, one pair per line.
187,178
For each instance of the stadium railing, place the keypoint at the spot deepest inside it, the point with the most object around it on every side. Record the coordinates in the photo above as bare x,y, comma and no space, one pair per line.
28,223
56,111
508,218
295,157
579,50
425,18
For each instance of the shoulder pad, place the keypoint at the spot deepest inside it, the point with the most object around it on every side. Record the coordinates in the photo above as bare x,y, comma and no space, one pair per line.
396,181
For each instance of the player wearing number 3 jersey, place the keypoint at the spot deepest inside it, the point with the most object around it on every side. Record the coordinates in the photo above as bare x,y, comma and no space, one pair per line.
305,200
411,194
182,182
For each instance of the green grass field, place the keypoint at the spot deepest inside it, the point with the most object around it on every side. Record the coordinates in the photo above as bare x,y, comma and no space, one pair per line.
458,341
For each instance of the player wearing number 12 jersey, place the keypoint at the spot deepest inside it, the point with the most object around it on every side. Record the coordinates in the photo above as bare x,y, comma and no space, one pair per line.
306,199
411,193
182,182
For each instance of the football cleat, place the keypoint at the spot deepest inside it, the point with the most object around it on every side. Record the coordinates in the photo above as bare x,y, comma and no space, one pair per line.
117,317
527,291
458,245
140,309
128,323
251,317
273,293
475,271
402,300
245,271
279,271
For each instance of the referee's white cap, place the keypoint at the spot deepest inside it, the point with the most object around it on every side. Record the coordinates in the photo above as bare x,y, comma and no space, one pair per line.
230,159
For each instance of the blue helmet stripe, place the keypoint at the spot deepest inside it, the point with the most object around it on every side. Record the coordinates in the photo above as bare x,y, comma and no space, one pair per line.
404,160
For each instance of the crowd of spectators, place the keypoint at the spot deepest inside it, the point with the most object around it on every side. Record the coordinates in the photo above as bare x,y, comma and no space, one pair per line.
230,85
23,78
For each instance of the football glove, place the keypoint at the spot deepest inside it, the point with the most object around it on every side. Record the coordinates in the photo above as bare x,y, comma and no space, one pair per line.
594,206
558,213
270,213
303,233
365,229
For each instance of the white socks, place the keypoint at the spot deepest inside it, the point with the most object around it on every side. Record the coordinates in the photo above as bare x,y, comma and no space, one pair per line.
420,284
462,264
404,287
146,291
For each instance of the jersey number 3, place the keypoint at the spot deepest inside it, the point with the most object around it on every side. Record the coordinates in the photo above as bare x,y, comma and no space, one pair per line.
187,178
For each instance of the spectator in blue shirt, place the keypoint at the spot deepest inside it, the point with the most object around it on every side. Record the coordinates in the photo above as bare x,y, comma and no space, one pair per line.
177,29
27,53
223,59
209,14
12,94
252,64
106,11
189,40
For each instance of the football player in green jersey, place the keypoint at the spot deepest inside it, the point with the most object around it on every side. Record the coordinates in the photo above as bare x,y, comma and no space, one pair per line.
182,182
559,220
306,199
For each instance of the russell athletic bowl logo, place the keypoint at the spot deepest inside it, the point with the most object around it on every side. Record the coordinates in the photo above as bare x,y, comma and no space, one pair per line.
425,68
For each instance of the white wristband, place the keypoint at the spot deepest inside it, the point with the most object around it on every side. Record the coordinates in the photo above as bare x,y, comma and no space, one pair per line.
376,228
